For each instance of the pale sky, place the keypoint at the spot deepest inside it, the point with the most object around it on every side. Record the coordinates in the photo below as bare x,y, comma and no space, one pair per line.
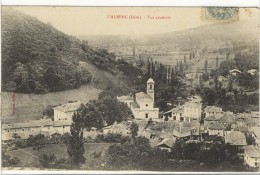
94,21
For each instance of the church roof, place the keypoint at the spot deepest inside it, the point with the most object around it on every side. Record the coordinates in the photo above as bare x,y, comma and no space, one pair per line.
134,105
141,96
150,80
124,97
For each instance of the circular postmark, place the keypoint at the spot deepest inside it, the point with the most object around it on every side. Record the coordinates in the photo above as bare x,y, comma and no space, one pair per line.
222,13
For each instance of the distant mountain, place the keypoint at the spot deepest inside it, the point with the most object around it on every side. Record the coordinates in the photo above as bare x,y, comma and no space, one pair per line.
37,58
234,32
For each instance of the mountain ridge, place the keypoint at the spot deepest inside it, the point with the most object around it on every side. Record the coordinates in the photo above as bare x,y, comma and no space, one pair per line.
37,58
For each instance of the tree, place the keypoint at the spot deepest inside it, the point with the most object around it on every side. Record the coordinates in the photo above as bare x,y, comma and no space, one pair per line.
16,136
51,161
75,147
11,86
137,155
106,110
134,130
39,144
49,111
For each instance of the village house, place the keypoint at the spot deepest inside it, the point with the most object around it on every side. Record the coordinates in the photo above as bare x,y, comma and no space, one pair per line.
212,110
142,106
234,72
46,127
229,121
251,156
188,112
216,129
61,124
222,78
212,119
252,71
166,144
116,129
255,134
65,112
235,138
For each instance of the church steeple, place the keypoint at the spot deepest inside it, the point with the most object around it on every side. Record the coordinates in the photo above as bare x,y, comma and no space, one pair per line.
150,88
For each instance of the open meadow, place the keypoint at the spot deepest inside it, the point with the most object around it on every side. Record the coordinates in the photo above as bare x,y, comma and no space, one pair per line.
30,158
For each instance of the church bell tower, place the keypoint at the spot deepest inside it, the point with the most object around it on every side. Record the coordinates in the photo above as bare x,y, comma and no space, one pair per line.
150,88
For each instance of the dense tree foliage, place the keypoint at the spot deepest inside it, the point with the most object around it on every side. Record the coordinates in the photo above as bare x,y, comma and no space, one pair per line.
236,93
37,58
134,130
98,113
51,161
75,146
137,155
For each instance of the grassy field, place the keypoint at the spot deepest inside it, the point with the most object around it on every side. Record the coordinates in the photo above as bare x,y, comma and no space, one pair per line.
30,106
30,158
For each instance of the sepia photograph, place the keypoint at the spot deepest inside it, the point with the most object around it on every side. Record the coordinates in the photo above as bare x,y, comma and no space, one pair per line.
157,89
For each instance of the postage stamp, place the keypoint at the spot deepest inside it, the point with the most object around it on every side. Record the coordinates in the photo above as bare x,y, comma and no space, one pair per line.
221,14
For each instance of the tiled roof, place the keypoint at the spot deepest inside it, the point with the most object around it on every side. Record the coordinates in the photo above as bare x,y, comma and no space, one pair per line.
141,96
256,131
235,138
227,119
118,126
214,117
212,109
134,105
124,98
180,134
235,70
30,124
192,104
178,109
251,151
216,126
68,107
167,142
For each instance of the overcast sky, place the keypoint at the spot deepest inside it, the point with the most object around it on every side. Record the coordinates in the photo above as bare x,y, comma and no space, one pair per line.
94,21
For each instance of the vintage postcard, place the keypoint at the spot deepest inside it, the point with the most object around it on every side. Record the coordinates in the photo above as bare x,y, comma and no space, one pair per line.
168,89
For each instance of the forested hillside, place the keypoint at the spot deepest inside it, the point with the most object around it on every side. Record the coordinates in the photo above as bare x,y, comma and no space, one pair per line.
37,58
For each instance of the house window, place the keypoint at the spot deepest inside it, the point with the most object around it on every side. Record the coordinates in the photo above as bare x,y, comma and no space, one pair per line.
174,117
151,86
8,131
146,115
180,114
181,118
256,164
146,105
23,129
